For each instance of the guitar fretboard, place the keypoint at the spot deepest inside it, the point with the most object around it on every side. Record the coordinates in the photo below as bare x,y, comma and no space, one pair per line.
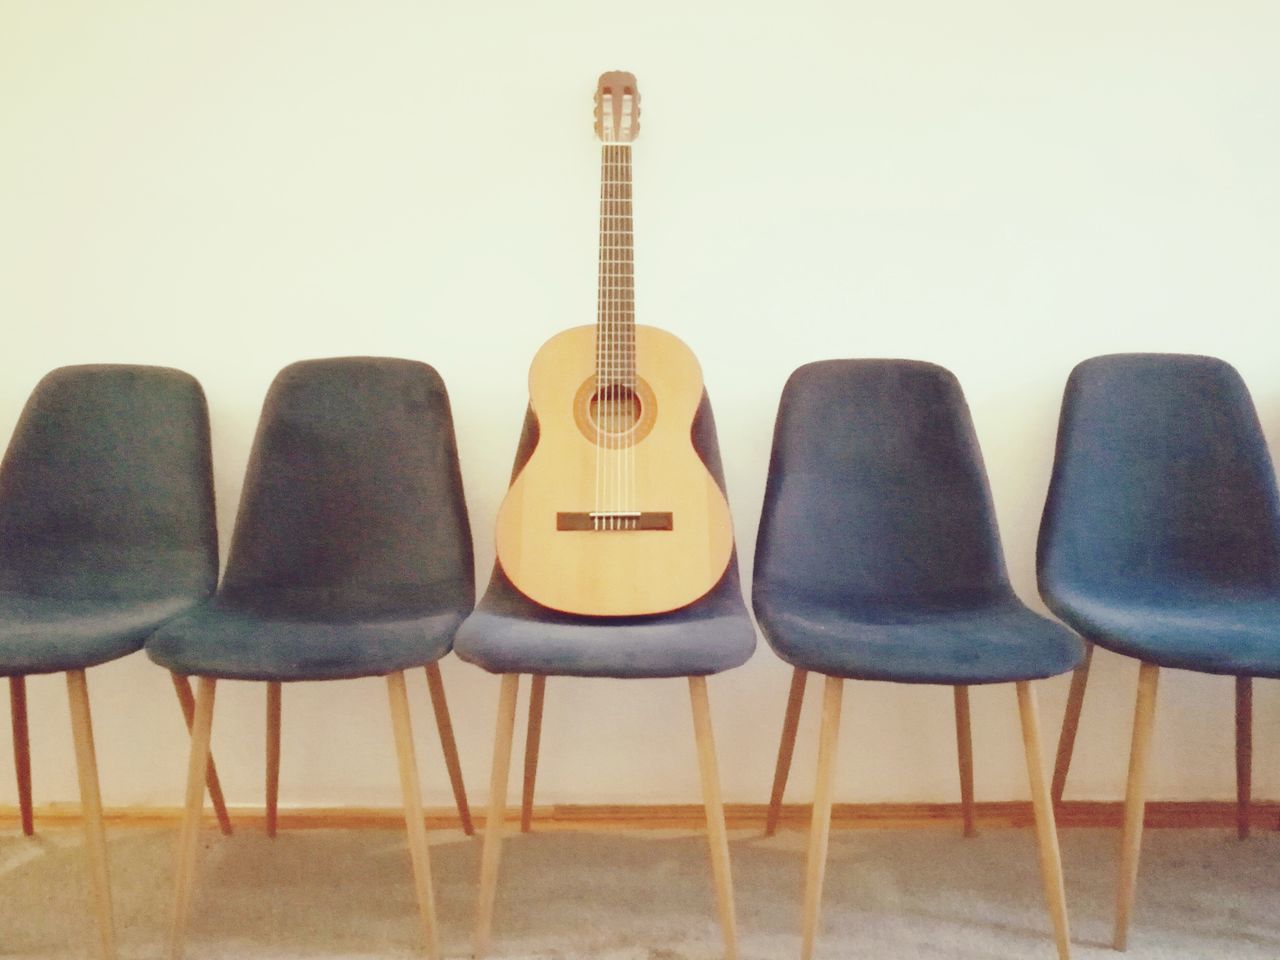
615,316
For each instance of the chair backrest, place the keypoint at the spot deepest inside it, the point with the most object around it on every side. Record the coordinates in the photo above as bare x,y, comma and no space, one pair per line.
877,498
106,490
352,504
1161,477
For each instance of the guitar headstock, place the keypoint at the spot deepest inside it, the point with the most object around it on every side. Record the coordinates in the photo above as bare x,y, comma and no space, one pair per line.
617,107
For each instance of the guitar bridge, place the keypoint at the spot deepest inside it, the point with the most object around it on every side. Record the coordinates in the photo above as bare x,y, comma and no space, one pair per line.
613,520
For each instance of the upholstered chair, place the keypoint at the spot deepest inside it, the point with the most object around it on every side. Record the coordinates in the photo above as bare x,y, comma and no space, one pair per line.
1161,541
511,635
106,532
351,557
878,558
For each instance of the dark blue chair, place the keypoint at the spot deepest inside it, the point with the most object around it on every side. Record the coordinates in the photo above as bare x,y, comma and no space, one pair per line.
1161,541
878,558
351,557
106,531
509,634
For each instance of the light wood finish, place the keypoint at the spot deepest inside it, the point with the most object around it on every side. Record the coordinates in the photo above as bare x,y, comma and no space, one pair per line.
183,688
569,817
1071,723
716,832
614,123
964,750
403,727
532,741
1046,828
1144,713
820,828
493,825
273,756
91,810
22,750
786,747
1244,753
189,836
614,572
444,725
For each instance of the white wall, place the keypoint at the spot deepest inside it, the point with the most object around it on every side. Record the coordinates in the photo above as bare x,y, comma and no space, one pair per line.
1005,188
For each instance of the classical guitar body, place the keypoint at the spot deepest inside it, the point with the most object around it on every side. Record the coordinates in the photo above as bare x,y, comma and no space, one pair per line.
615,514
565,547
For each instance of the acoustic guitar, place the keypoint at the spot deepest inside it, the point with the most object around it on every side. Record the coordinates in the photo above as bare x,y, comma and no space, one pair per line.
614,513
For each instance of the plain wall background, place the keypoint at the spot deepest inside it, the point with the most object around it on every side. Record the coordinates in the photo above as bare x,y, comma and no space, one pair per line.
1004,188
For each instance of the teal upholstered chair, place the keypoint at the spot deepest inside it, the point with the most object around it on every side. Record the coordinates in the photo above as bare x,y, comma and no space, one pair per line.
509,634
1161,541
106,531
878,559
351,557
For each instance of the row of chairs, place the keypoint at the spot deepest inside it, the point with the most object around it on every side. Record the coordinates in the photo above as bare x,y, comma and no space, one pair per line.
877,558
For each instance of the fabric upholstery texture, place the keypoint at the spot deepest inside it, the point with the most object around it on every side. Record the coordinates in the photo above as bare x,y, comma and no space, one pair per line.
106,515
352,551
878,556
1161,533
509,633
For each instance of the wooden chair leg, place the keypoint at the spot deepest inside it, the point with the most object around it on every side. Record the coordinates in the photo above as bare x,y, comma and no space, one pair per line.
91,810
273,756
533,740
786,746
964,749
716,832
413,819
189,837
183,687
820,829
1046,828
493,824
1244,753
435,685
1135,799
1071,723
22,750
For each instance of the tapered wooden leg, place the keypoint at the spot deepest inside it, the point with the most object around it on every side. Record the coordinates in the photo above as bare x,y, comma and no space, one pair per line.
1046,828
189,837
1244,753
493,824
414,824
532,740
273,756
22,750
716,831
91,810
964,748
183,687
786,746
435,684
1135,799
820,828
1071,723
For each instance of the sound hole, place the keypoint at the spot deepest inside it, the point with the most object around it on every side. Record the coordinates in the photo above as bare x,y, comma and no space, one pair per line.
614,409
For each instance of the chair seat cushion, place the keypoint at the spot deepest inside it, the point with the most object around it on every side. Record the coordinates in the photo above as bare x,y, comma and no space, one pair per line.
1234,635
218,640
509,633
999,642
51,634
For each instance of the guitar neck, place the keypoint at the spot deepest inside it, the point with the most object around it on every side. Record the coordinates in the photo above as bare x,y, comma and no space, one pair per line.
615,315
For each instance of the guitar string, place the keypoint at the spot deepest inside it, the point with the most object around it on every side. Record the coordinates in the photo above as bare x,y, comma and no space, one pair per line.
611,387
629,333
598,396
615,269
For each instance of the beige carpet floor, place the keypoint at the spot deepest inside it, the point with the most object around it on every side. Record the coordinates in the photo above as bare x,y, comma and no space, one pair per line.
647,896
